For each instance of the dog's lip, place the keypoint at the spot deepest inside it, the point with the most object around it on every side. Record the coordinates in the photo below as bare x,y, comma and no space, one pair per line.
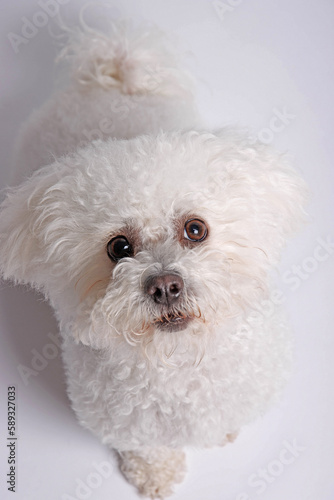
172,323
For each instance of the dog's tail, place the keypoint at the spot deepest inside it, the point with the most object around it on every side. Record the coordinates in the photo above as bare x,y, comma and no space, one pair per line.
136,61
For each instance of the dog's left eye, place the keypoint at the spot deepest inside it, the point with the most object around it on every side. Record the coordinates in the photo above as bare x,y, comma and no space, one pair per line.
195,230
119,247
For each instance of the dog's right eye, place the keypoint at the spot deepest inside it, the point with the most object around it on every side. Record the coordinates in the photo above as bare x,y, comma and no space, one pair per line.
119,247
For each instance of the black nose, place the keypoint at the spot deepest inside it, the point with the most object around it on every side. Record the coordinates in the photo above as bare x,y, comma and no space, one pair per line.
164,289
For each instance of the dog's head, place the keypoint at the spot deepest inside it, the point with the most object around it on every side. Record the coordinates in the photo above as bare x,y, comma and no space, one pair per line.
154,237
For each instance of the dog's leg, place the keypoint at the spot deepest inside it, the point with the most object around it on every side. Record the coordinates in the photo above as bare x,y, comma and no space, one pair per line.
153,470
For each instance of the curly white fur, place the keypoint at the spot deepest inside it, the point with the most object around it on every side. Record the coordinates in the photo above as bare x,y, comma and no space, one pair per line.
145,391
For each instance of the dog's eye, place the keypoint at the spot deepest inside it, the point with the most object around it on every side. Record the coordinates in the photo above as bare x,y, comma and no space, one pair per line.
119,247
195,230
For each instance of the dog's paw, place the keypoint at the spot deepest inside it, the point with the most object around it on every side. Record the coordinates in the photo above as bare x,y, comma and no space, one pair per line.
154,471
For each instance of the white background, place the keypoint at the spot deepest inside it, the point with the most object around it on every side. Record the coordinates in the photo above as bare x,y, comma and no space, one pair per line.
256,57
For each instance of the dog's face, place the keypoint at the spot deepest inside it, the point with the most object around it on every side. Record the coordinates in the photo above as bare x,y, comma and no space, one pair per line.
151,238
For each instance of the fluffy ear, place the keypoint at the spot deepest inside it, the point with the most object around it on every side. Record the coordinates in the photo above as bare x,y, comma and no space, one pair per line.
261,197
22,255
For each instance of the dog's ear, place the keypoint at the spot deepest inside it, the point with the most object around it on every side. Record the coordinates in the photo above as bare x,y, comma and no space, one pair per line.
23,219
262,198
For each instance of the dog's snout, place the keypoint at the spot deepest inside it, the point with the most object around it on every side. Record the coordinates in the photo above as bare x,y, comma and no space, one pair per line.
164,289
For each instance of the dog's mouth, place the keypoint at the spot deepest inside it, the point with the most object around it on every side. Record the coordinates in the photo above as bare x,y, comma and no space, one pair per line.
172,322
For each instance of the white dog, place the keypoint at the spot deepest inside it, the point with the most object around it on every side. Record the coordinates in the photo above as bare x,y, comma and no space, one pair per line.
153,241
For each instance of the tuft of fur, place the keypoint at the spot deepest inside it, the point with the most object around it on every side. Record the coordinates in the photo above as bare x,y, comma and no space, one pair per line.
145,391
135,61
